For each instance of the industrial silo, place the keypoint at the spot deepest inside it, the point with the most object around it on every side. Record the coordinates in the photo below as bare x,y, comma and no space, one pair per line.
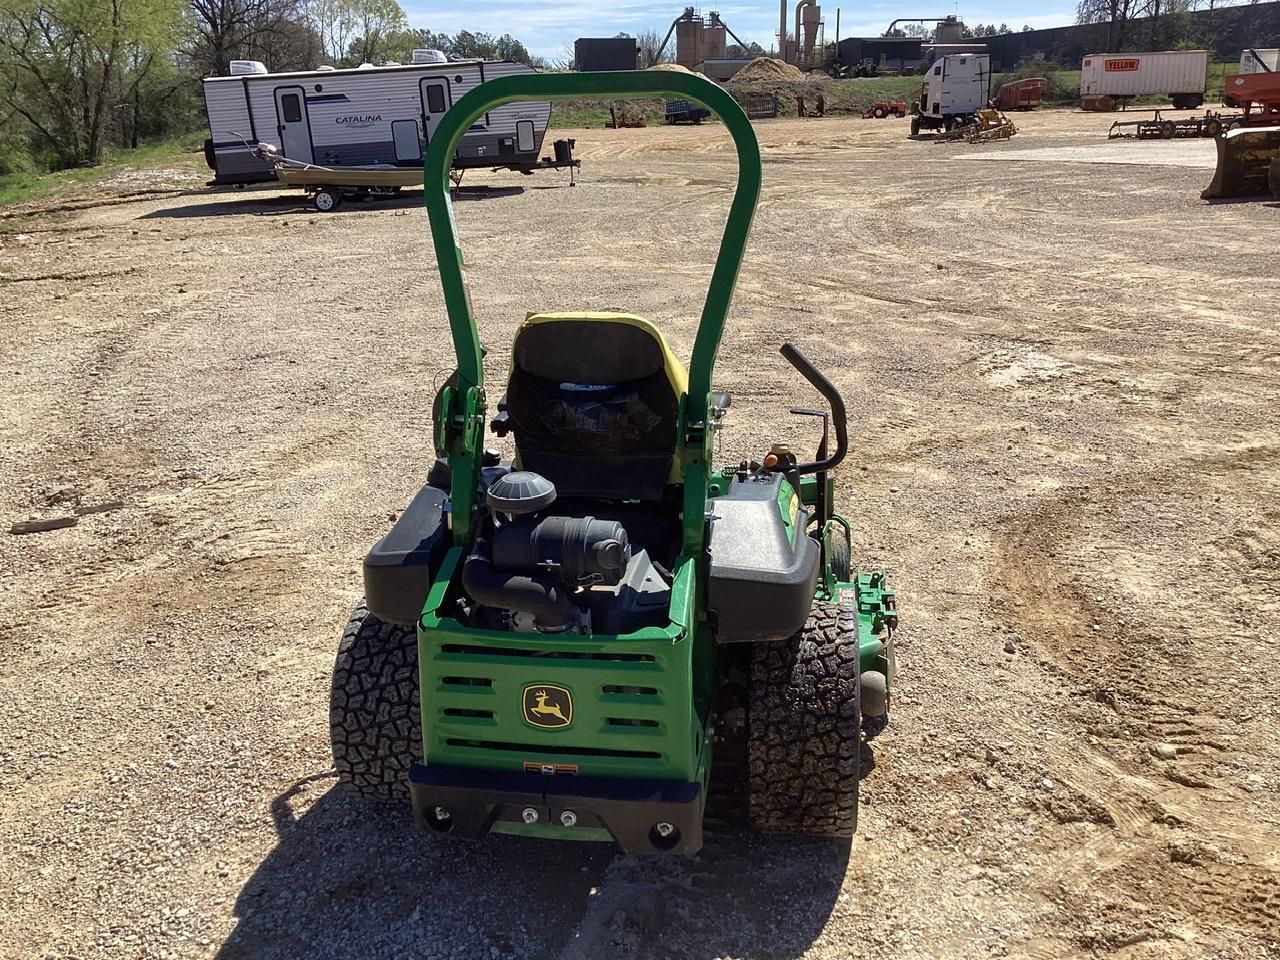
812,18
714,42
689,42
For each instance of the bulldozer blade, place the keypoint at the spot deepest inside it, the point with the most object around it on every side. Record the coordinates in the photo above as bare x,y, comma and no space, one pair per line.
1245,157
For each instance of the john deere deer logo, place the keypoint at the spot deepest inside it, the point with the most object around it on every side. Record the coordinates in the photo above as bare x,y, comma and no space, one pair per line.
548,706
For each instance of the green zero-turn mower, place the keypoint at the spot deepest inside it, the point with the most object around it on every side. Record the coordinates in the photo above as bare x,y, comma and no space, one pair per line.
560,646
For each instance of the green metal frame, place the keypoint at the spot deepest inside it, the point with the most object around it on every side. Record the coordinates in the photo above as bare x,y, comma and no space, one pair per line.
463,410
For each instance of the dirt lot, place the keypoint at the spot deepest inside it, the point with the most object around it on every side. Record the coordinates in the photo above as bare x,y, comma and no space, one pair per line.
1062,380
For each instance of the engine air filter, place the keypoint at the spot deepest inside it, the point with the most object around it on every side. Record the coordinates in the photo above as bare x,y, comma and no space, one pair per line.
520,492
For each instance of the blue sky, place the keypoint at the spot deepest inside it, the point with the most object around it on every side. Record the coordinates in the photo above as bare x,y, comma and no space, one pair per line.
549,27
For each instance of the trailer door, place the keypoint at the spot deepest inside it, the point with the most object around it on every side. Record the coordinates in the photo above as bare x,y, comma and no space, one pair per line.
292,124
436,99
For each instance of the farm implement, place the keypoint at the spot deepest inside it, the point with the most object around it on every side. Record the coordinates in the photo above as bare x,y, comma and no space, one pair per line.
1249,155
987,124
1021,94
1159,127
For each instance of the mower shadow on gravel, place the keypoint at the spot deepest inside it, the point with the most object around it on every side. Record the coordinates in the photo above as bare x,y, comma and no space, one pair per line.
351,879
247,203
258,205
261,204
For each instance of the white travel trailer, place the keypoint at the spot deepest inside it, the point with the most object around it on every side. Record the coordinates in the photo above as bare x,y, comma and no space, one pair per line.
379,117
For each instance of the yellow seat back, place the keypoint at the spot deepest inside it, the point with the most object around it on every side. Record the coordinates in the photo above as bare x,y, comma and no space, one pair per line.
593,401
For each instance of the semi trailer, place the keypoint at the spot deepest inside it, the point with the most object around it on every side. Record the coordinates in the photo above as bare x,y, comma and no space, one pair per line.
1111,81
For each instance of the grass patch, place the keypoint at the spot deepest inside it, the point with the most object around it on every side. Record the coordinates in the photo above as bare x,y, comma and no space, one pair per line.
24,187
588,114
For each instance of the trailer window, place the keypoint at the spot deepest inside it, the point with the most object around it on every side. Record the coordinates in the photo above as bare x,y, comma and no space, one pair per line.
435,99
524,136
291,103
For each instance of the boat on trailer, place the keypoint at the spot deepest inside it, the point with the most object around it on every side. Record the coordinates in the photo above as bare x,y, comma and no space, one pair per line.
327,187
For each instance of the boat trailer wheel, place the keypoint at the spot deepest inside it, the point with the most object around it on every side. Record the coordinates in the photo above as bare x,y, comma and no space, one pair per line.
326,199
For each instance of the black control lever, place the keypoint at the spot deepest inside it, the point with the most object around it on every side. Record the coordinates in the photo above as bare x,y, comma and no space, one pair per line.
832,396
825,417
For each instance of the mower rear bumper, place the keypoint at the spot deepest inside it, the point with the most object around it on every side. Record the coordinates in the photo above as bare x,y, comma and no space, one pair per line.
630,810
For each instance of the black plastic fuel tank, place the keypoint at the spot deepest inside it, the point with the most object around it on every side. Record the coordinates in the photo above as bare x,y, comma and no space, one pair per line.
400,568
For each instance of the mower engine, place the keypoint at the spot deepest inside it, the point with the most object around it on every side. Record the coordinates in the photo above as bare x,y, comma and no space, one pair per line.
538,572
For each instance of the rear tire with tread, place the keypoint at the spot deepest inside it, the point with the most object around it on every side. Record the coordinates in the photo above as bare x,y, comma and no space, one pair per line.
375,725
841,555
804,726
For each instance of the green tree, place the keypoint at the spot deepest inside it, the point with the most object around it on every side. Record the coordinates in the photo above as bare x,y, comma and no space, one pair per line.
272,31
509,48
72,65
334,24
375,22
736,52
466,45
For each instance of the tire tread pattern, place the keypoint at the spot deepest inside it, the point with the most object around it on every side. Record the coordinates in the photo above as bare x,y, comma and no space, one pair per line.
803,736
374,721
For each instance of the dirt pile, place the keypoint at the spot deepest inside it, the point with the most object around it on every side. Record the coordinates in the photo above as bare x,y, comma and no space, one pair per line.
768,70
677,68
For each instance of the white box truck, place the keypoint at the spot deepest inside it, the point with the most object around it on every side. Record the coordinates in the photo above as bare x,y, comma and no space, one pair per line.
1111,80
956,87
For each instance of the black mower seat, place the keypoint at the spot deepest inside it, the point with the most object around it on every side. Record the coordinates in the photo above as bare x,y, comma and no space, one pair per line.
593,402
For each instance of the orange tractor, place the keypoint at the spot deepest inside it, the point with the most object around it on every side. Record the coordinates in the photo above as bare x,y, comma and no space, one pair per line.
1249,153
886,108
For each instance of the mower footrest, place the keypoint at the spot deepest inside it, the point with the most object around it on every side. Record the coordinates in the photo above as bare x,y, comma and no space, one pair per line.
643,816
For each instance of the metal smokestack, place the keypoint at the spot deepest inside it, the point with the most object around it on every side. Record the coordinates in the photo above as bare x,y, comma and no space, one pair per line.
782,30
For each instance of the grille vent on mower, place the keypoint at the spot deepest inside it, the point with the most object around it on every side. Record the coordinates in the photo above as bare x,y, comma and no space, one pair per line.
559,751
467,649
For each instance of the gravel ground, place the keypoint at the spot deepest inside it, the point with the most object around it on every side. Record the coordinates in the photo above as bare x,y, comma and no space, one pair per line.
1062,382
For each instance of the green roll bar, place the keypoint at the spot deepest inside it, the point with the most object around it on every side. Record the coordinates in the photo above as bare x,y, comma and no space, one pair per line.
463,405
